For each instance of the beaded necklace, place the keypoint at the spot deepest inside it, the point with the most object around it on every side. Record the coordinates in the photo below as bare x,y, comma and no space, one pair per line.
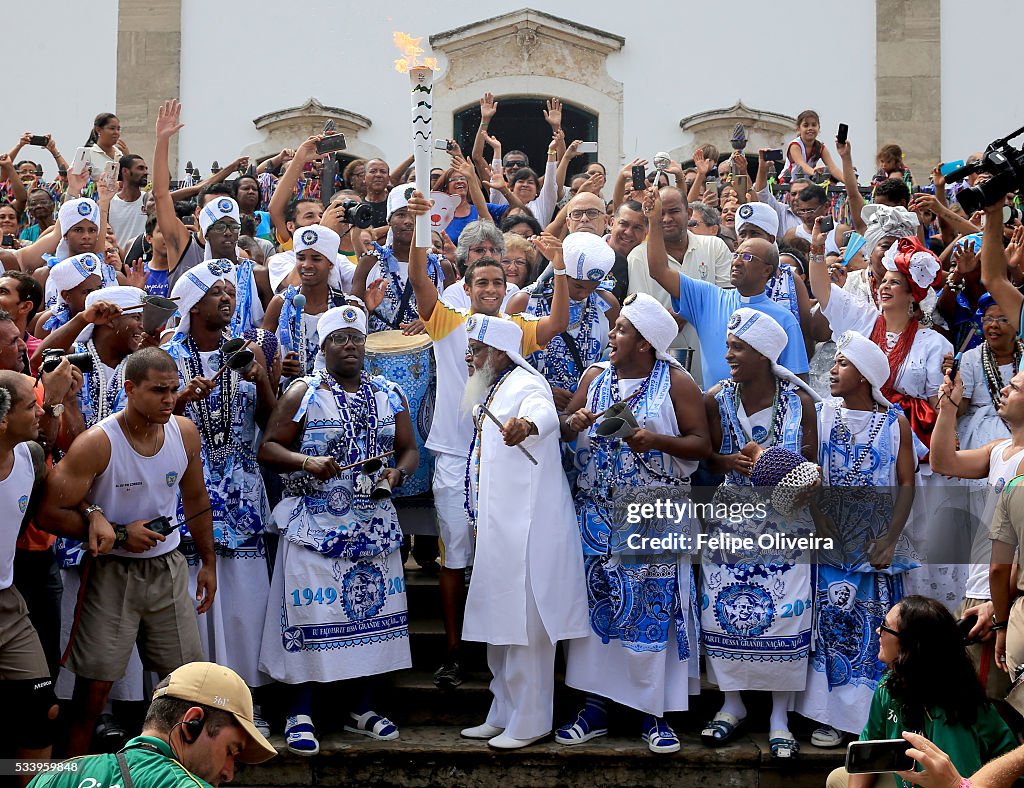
760,434
212,415
841,435
358,412
989,365
103,393
474,453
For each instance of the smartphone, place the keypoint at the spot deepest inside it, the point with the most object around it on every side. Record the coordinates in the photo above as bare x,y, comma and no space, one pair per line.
162,526
950,166
39,140
81,161
444,144
110,172
587,147
331,143
876,757
846,237
8,242
966,624
639,178
828,224
711,184
774,155
841,134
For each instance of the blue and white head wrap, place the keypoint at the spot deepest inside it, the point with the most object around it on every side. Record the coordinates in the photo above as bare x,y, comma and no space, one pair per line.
196,283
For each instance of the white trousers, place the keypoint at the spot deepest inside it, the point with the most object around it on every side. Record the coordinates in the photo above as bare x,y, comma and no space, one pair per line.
524,680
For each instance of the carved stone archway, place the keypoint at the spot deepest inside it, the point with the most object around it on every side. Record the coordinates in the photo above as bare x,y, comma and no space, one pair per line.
764,129
286,128
529,53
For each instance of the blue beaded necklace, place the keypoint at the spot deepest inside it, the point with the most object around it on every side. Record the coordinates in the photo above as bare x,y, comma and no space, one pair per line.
474,448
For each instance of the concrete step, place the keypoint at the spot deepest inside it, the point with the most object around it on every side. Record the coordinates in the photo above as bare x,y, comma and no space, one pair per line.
438,756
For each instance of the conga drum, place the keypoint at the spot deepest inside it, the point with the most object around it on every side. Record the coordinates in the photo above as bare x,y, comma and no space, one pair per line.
409,362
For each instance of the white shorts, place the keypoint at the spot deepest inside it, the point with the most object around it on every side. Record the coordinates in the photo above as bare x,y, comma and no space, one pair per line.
455,535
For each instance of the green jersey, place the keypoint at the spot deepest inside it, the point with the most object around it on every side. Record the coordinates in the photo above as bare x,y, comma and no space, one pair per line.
151,764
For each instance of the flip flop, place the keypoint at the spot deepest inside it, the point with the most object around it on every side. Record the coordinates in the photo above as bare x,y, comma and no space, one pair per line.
783,746
722,729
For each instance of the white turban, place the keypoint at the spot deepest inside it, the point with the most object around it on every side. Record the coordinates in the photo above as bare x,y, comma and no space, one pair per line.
760,215
500,334
119,295
70,273
196,283
339,317
318,238
764,334
71,213
869,360
883,221
653,322
218,208
587,257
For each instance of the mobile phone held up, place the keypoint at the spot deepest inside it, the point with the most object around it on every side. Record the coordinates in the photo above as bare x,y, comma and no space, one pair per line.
331,143
639,178
828,224
39,140
775,155
587,147
879,756
841,134
81,161
444,144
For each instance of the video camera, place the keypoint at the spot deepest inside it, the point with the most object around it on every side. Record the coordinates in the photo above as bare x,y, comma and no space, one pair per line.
1006,166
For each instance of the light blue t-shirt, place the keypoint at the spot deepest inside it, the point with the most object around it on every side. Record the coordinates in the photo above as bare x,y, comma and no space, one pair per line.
708,307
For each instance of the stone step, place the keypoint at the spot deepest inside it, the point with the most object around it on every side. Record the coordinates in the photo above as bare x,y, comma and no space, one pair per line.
436,756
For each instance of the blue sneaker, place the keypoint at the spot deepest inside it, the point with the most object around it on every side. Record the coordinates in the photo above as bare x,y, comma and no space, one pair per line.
659,735
585,728
300,735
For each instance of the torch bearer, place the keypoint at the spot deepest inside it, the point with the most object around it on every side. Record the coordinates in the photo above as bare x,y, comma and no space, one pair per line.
421,96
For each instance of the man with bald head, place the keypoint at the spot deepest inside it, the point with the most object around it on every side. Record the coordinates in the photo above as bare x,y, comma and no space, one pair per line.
704,258
707,307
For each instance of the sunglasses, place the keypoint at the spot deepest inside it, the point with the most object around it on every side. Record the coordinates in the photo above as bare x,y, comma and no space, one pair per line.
890,630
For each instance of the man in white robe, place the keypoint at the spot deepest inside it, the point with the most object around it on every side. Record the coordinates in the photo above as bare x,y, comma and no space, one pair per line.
527,591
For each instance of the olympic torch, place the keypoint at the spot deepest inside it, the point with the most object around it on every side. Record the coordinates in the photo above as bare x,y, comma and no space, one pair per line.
421,97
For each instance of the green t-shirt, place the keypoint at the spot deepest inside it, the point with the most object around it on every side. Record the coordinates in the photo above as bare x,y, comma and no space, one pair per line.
968,748
151,764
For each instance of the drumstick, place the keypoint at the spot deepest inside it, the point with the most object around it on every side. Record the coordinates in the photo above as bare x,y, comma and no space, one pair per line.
142,306
368,459
480,409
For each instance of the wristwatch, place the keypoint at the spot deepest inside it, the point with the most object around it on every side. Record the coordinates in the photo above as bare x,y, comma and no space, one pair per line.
92,508
996,626
56,410
120,535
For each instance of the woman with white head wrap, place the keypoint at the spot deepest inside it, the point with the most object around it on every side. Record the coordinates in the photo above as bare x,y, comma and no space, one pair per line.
336,536
592,309
915,354
865,448
645,654
756,625
885,225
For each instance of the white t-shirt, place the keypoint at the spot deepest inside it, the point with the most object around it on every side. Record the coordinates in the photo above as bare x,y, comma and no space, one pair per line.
126,218
15,492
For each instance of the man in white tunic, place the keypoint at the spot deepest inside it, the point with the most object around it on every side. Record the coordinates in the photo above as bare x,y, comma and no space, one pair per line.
527,590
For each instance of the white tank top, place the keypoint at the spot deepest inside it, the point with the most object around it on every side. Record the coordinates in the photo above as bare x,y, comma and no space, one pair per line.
15,492
1000,471
133,487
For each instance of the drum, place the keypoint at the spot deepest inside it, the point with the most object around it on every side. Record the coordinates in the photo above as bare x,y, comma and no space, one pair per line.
409,362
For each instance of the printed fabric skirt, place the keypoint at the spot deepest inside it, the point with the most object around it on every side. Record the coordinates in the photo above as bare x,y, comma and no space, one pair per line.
331,619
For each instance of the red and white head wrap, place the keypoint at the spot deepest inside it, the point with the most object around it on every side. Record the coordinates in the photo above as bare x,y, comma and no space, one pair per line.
921,268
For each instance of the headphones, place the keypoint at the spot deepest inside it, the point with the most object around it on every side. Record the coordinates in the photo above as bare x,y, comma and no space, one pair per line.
192,728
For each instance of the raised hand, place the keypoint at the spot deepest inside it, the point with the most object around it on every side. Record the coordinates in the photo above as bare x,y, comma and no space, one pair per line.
488,107
168,120
553,113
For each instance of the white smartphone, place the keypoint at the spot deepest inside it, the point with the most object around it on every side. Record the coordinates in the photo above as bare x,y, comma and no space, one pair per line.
110,172
587,147
81,161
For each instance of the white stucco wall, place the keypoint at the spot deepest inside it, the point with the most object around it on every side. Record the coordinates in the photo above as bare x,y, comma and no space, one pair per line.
49,90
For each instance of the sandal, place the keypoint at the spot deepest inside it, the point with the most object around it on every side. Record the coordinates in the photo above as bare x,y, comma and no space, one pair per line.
659,736
300,735
722,729
578,732
373,725
827,737
783,745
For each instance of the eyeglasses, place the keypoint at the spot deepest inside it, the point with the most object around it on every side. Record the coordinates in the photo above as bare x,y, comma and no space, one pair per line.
999,321
340,340
225,228
693,223
590,213
484,250
746,257
514,165
518,262
890,630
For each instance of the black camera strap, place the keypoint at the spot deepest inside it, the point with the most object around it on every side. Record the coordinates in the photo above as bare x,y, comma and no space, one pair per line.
126,775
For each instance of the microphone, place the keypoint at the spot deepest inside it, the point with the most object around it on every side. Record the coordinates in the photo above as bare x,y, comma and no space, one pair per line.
299,301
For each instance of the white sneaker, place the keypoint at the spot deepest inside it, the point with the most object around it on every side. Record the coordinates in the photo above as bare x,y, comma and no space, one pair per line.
484,731
505,742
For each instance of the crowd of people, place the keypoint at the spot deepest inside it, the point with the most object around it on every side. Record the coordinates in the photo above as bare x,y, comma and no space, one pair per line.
213,395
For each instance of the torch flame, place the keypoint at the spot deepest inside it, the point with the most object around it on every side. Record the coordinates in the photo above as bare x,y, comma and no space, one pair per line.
411,50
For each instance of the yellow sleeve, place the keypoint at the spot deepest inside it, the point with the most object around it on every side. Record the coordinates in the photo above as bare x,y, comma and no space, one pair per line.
443,320
529,325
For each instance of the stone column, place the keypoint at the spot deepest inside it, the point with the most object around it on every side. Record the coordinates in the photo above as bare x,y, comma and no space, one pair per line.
148,69
908,80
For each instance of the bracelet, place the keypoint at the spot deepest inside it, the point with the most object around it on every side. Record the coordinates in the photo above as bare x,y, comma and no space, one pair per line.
120,535
817,258
560,272
818,250
956,287
998,627
304,461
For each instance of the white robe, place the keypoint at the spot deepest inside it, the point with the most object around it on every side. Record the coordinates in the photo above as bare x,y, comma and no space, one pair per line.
525,514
